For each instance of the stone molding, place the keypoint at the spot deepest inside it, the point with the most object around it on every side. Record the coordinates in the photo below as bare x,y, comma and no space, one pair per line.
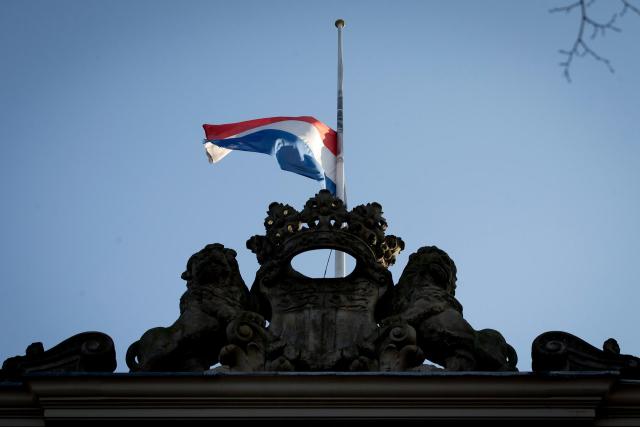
586,398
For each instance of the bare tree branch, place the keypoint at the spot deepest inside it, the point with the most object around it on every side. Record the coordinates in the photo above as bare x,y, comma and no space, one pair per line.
580,47
567,8
628,6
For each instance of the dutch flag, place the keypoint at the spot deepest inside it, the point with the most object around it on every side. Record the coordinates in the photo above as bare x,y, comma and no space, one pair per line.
302,145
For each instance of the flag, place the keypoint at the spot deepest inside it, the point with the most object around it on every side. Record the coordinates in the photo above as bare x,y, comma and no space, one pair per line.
302,145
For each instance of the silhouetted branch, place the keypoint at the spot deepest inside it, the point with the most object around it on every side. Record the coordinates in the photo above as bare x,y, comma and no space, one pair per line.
567,8
628,6
580,47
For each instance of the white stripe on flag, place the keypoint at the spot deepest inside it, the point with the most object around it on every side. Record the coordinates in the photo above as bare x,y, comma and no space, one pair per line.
307,132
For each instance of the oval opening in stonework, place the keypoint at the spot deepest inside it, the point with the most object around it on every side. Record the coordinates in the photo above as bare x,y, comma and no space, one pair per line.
313,263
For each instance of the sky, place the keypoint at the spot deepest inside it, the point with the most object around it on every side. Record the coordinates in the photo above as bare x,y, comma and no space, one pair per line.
458,121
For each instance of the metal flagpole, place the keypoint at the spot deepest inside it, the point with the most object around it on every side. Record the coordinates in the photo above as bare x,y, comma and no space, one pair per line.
340,257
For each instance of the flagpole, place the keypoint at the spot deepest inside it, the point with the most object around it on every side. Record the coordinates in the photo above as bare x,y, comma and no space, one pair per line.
340,257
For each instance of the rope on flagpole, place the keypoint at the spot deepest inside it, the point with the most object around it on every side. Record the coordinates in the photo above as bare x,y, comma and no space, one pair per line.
327,265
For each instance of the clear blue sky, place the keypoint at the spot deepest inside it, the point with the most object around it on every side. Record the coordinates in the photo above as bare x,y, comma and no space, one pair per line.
457,120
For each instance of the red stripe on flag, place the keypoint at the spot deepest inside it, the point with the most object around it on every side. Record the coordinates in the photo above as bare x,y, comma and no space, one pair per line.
327,134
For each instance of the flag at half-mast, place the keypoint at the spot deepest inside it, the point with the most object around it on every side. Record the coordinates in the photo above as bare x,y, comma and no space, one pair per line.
303,145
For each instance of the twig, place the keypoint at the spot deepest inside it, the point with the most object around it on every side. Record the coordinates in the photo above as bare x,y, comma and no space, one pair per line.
580,47
567,8
628,6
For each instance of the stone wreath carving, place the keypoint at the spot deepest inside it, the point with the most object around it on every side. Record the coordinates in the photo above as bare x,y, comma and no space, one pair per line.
361,322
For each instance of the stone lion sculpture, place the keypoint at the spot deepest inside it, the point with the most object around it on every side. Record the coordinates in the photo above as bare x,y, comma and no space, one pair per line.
425,298
215,295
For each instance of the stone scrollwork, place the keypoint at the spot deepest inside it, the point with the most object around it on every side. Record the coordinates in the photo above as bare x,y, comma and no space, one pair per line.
84,352
561,351
247,339
398,349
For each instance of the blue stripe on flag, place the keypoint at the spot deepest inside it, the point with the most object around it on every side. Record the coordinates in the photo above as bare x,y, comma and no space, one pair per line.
291,152
330,185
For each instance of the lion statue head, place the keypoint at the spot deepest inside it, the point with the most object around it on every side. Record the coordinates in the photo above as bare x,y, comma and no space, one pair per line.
430,266
213,263
214,282
427,285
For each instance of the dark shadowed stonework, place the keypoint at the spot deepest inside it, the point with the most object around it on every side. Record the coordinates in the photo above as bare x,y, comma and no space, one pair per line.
345,398
85,352
357,323
215,296
347,350
561,351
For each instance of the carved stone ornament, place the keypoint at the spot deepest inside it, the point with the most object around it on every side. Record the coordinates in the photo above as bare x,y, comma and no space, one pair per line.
216,295
561,351
84,352
290,322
